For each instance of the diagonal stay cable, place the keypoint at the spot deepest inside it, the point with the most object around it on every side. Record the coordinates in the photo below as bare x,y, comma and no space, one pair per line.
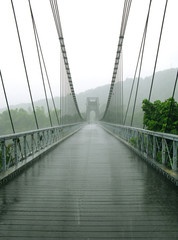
128,105
40,64
24,63
47,77
7,103
171,105
9,112
44,64
159,42
141,60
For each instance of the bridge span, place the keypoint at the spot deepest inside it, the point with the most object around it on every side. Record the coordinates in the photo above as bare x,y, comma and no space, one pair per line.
91,186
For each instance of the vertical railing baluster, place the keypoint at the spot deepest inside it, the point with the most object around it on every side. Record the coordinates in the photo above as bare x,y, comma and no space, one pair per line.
174,167
147,145
137,140
32,144
142,142
3,147
15,151
25,146
154,147
163,152
38,141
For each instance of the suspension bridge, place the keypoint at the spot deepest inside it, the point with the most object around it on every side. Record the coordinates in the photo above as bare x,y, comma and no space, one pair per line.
74,180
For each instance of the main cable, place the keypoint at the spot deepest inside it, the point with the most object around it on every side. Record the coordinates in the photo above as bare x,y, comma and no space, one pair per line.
55,11
125,15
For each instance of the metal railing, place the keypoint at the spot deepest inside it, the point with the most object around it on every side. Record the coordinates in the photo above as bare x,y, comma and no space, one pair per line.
160,147
15,148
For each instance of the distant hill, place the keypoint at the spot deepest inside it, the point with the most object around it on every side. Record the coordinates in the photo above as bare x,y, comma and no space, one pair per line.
162,89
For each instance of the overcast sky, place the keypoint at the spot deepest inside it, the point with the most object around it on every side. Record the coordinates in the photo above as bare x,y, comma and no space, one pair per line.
91,31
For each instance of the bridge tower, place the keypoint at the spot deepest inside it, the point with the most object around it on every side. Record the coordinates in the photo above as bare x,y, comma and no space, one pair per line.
92,105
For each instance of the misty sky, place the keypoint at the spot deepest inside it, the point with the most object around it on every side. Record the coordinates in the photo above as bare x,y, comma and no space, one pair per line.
91,31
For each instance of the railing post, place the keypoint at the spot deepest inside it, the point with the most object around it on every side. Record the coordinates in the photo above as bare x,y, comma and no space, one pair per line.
147,145
38,141
51,137
25,146
54,135
45,136
3,146
154,147
142,142
42,140
163,152
15,151
137,140
174,167
32,144
48,137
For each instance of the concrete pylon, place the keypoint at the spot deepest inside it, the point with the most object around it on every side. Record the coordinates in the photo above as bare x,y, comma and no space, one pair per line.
92,105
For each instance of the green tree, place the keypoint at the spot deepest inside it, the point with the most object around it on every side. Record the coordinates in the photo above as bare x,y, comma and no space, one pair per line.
24,120
161,116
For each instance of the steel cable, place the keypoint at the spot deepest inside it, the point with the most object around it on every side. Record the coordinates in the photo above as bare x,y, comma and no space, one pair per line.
7,103
157,53
141,60
170,109
125,15
40,64
55,11
24,63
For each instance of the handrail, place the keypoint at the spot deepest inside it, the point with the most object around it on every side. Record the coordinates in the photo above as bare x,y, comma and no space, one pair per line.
157,134
15,148
159,149
20,134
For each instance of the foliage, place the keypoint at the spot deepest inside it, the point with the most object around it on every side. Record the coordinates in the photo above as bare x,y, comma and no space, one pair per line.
133,141
161,116
24,120
8,154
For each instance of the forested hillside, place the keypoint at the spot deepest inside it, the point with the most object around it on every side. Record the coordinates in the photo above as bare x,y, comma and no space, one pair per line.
162,90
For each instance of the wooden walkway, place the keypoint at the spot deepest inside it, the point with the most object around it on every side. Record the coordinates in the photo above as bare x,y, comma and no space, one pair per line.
90,187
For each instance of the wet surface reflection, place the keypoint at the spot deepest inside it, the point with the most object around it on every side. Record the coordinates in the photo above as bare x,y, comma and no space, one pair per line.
91,186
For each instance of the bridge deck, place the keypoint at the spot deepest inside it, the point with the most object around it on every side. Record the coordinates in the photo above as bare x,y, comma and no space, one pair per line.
90,187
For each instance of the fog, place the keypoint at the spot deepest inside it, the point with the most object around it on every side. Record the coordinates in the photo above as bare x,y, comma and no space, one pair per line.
91,31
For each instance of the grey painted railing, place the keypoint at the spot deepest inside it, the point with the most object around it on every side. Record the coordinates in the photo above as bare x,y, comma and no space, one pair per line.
160,147
17,148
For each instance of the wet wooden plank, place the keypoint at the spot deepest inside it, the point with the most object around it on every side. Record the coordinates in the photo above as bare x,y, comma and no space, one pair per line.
89,187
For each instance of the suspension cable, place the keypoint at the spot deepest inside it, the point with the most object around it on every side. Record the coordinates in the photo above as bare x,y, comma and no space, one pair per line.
40,64
44,64
24,63
7,103
141,60
55,11
9,112
133,82
125,15
170,109
159,42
